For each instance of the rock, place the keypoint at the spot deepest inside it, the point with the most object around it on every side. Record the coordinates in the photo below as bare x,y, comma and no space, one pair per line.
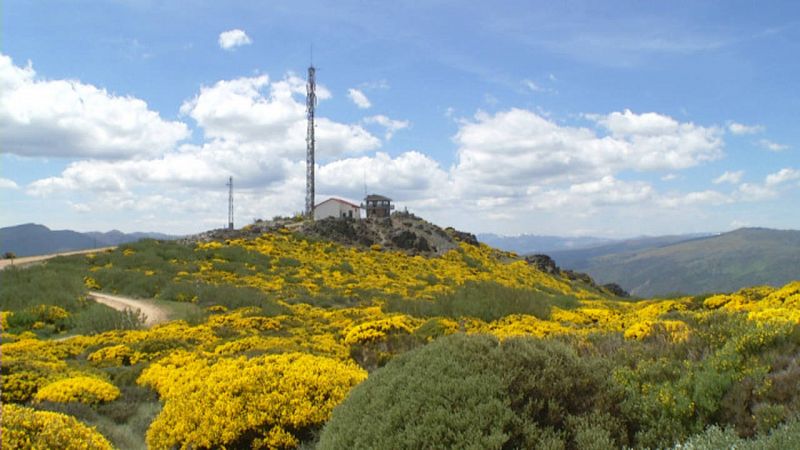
467,238
616,289
572,275
544,263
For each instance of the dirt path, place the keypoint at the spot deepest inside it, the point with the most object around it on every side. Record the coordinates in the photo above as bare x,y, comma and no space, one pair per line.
28,260
154,313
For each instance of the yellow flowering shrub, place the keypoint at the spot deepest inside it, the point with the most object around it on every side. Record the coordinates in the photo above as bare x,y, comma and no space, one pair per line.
113,355
523,325
27,428
379,329
675,330
78,389
268,398
91,283
4,315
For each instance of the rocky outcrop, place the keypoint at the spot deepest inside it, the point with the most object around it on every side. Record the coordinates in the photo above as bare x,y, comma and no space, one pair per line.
615,289
544,263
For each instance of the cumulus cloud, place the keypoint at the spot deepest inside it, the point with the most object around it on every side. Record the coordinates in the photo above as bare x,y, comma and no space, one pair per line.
411,176
519,147
752,192
782,176
359,98
607,191
766,144
228,40
390,125
255,110
67,118
773,184
254,130
5,183
729,177
739,129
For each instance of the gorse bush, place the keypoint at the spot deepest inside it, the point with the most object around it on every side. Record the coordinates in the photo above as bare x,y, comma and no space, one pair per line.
27,428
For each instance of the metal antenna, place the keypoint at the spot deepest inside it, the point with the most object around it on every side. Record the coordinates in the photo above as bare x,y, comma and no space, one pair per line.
311,103
230,203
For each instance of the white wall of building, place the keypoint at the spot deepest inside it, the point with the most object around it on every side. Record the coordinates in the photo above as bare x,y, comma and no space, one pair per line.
336,208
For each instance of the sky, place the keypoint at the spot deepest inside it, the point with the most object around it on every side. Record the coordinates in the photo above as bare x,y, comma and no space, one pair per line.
610,119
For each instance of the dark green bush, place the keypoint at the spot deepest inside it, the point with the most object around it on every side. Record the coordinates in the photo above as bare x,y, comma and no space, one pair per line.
470,391
444,395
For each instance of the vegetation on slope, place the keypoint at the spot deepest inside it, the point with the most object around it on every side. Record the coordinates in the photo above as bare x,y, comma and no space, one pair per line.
282,306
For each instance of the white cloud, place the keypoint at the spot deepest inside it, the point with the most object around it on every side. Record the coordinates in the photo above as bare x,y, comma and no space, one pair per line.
499,153
359,98
739,129
729,177
669,177
708,197
240,110
753,192
390,125
782,176
409,176
231,39
66,118
772,146
5,183
533,86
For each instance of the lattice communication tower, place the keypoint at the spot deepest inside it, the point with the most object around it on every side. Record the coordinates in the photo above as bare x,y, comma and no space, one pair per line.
311,103
230,203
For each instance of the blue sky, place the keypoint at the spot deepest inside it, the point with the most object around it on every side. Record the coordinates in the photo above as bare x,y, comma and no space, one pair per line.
580,118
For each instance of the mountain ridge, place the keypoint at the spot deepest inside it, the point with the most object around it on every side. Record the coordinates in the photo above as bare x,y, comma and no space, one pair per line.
31,239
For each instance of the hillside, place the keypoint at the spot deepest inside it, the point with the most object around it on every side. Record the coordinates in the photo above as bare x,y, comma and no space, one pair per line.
357,335
720,263
32,239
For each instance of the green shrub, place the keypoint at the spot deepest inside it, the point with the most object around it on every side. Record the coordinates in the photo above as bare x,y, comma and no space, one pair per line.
444,395
471,391
786,436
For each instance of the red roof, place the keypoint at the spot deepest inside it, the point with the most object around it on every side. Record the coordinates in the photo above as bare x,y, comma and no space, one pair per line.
334,199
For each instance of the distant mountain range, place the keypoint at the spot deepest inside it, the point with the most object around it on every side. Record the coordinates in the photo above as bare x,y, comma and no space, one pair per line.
691,264
529,243
32,239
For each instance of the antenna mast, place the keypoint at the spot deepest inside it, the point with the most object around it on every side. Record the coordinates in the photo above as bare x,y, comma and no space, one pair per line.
311,102
230,203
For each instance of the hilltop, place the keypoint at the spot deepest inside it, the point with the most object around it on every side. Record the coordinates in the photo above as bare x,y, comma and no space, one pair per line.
719,263
402,232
